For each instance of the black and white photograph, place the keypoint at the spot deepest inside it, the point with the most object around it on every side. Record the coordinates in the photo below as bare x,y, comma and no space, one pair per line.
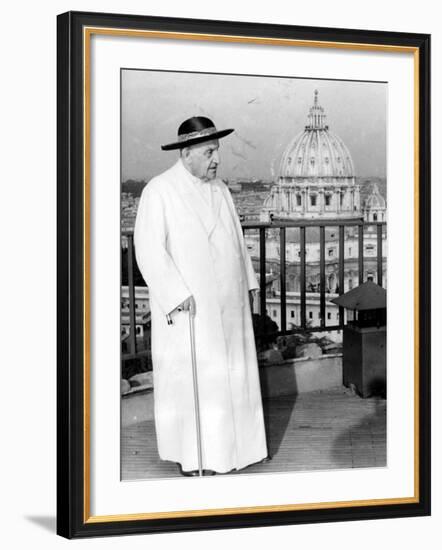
253,274
208,209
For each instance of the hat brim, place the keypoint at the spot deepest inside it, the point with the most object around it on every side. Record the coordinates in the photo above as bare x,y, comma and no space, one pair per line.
194,141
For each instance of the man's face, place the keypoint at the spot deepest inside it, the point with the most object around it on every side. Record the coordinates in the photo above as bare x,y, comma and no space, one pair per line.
202,159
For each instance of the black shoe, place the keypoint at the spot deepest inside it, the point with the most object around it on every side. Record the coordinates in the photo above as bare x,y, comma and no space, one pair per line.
189,473
266,459
195,473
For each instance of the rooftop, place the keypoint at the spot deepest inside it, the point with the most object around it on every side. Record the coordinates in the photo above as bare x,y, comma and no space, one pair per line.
320,430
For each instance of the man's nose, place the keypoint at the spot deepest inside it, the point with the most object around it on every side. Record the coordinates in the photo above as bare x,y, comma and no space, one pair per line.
215,157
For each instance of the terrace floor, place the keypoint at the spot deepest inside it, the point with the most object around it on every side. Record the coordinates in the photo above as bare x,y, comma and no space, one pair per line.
312,431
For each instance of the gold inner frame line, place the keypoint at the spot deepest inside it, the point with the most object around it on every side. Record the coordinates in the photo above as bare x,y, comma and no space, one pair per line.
87,33
247,40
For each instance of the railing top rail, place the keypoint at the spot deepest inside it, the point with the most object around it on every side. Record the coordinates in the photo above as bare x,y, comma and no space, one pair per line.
295,223
309,223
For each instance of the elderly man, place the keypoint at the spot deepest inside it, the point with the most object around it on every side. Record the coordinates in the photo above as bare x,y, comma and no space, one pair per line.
191,252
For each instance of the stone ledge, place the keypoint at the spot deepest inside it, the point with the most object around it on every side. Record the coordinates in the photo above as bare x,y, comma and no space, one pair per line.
301,375
289,377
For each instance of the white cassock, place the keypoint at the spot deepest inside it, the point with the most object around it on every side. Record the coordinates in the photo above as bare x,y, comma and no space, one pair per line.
189,242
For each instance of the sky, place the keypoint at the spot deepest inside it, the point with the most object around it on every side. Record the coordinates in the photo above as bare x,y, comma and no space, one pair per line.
266,113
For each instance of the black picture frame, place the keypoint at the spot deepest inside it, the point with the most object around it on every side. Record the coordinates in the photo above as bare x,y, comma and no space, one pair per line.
73,518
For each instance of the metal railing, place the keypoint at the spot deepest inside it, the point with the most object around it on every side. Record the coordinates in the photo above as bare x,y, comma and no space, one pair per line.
282,227
303,225
131,339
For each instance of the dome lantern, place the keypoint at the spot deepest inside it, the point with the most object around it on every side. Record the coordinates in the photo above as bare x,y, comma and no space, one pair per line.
316,117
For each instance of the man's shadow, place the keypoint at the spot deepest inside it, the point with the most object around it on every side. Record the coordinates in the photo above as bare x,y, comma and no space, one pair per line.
278,384
279,391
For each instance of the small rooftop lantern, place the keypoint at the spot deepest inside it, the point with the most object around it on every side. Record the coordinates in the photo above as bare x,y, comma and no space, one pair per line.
364,346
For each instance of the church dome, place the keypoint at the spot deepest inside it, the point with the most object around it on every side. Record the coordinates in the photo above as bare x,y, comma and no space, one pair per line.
316,176
375,201
316,152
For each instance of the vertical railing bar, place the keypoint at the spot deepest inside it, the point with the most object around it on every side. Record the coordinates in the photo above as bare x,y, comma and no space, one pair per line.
341,271
379,253
282,269
361,253
302,277
322,274
262,271
130,274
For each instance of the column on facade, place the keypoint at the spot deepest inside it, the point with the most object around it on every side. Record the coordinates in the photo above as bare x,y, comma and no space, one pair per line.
321,200
345,192
357,198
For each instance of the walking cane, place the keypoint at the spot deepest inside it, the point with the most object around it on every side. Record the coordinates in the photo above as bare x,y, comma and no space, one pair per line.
195,386
195,378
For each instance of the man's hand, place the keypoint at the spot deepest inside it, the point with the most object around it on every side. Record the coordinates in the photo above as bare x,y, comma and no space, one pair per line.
187,305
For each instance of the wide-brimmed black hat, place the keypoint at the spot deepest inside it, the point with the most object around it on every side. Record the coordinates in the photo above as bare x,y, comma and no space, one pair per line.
196,130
